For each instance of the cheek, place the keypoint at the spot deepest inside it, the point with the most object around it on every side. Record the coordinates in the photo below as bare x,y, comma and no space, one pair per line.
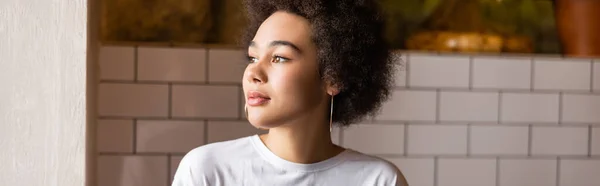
298,85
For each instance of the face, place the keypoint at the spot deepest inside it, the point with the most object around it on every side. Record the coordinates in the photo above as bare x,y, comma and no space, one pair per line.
281,82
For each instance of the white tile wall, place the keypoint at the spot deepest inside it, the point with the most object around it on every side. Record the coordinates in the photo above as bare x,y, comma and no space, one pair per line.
466,172
502,73
527,172
171,64
183,98
562,75
596,75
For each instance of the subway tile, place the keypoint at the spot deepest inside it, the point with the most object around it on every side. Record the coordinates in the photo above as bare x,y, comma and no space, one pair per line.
171,64
401,69
417,171
466,172
559,140
469,106
132,171
169,136
226,65
410,105
133,100
230,130
596,76
523,107
581,108
175,160
116,63
582,172
437,139
499,140
561,75
389,138
115,136
595,141
438,71
527,172
205,101
501,73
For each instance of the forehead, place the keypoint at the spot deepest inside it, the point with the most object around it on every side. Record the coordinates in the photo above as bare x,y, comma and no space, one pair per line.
284,26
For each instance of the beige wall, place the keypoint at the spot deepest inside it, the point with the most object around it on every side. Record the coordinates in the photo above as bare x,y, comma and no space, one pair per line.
43,92
453,120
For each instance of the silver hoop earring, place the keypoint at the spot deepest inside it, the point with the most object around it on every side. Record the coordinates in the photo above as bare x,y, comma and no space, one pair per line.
246,111
331,115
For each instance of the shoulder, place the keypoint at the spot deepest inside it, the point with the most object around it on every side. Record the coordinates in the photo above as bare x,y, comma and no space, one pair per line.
385,170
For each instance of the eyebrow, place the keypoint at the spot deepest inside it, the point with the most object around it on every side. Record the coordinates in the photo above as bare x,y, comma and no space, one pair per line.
280,43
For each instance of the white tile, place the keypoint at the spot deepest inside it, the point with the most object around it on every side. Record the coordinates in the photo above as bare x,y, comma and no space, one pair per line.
466,172
559,141
561,75
596,141
132,171
389,138
499,140
116,63
581,108
596,78
205,101
502,73
410,105
579,172
171,64
522,107
226,65
133,100
438,71
401,69
469,106
527,172
437,139
229,130
175,160
115,136
417,171
169,136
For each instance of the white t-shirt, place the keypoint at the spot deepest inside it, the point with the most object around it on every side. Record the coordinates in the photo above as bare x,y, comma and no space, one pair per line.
248,162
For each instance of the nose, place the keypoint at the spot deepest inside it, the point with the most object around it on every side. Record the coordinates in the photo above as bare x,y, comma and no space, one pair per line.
255,73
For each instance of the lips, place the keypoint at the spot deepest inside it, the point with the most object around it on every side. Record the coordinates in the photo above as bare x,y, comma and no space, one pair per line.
256,98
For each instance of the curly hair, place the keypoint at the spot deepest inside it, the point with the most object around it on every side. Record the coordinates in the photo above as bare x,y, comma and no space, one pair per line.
351,50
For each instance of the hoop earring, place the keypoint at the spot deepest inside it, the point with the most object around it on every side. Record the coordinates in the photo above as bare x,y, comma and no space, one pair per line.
246,111
331,115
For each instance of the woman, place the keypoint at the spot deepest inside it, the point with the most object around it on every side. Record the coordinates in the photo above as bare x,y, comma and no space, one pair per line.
312,63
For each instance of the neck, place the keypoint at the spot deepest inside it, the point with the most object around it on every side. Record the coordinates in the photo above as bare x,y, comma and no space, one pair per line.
304,141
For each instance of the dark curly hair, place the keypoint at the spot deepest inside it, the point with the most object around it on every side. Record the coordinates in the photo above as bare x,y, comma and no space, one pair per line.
351,50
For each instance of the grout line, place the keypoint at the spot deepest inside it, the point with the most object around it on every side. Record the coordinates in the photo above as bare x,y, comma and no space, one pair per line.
407,79
468,140
560,108
206,66
438,101
169,181
497,171
590,141
558,160
170,102
435,171
205,132
471,72
529,140
405,139
592,76
500,96
135,123
532,75
135,63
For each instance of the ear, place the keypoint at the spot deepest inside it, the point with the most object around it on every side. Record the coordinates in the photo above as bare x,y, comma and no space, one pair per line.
332,89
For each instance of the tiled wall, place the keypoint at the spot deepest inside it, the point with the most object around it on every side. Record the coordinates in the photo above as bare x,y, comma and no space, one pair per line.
453,120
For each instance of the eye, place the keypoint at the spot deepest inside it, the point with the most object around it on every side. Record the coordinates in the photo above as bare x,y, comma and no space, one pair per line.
279,59
252,59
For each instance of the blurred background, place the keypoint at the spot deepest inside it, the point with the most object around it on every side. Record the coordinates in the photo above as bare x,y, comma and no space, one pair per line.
488,93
